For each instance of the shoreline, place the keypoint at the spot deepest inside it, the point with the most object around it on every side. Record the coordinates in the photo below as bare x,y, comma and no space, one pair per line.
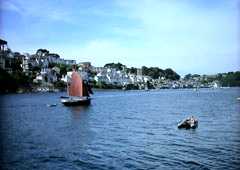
26,91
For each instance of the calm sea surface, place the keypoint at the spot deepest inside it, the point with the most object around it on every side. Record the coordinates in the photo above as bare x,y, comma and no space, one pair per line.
122,130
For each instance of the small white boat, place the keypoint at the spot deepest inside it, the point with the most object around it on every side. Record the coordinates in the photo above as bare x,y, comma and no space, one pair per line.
52,105
189,123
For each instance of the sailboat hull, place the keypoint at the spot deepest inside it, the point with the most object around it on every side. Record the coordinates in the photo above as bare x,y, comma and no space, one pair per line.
76,101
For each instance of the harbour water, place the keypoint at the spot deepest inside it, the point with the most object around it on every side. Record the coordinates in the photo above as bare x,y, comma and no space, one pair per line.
122,130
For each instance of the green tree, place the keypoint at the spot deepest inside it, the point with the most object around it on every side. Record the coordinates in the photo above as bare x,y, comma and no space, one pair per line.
117,66
188,76
155,73
16,65
8,83
172,75
231,79
144,70
132,70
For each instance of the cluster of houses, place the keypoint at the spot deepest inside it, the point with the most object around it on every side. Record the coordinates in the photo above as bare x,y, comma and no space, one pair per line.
183,83
47,72
42,61
43,58
120,78
108,76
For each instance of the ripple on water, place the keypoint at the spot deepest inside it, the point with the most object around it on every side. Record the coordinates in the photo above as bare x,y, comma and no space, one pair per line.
123,130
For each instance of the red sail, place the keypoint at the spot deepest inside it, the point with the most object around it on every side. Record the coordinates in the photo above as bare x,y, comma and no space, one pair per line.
76,86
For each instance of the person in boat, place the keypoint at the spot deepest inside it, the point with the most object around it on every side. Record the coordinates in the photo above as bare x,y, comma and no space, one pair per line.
88,86
85,78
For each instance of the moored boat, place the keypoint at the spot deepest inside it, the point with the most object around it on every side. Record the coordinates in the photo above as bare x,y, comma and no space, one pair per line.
52,105
189,123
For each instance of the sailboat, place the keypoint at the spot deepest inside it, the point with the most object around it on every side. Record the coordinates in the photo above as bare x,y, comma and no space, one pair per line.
78,91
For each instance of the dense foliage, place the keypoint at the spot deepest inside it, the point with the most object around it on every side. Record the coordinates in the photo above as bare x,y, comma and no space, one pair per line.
59,85
155,73
117,66
231,79
12,82
8,83
63,68
132,70
190,76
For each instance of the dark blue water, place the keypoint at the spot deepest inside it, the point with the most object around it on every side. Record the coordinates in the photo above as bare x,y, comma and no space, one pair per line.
122,130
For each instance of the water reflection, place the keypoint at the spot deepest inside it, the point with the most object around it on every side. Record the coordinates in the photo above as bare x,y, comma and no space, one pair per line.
78,111
80,131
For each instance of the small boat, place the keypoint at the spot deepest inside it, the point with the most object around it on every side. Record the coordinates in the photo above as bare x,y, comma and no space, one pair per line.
52,105
64,97
189,123
78,91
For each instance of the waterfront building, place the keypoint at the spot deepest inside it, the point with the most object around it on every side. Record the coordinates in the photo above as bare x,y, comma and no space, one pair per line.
132,78
67,77
48,75
70,62
3,45
53,58
99,69
110,76
215,84
139,71
85,66
5,61
61,61
25,63
146,78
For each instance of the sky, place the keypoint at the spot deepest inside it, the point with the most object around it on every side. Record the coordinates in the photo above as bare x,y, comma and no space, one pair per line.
189,36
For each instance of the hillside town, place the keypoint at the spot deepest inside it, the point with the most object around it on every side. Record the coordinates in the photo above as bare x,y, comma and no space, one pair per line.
47,71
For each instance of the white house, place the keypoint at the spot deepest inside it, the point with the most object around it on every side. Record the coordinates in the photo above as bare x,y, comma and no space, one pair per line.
70,62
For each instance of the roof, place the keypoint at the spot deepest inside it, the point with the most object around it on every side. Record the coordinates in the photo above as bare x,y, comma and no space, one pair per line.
3,42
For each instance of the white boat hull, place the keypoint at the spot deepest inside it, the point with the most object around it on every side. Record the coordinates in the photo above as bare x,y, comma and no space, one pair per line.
76,101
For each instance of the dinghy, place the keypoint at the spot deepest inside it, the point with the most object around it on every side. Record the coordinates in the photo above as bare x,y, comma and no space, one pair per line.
189,123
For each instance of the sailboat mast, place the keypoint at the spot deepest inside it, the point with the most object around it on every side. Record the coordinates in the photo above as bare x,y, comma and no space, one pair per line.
67,89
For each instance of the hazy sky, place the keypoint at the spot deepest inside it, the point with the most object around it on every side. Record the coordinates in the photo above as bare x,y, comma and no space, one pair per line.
190,36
